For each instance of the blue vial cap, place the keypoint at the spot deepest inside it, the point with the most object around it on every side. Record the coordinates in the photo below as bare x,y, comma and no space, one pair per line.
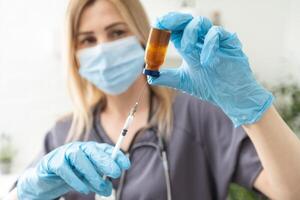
151,73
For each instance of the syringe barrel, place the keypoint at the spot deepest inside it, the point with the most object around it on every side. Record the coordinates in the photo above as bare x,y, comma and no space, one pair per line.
128,122
117,147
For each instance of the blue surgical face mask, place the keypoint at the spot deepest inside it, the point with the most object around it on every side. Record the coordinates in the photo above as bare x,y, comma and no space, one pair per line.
113,66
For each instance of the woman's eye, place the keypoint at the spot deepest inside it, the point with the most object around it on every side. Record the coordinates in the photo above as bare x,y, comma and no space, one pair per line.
116,34
88,41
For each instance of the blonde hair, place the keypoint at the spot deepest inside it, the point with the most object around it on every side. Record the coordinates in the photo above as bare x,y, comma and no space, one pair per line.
84,95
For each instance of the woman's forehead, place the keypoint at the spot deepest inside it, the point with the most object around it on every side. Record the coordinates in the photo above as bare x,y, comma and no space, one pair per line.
99,15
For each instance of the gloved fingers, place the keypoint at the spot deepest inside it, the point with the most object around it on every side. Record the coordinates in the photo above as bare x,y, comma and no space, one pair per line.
121,159
105,191
169,77
194,34
102,161
210,47
218,38
227,39
68,175
60,190
173,21
176,23
230,43
79,160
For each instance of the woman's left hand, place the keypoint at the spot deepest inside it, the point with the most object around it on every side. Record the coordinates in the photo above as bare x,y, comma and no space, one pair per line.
214,69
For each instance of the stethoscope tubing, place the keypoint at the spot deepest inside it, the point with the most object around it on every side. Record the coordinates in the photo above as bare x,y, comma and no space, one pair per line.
163,155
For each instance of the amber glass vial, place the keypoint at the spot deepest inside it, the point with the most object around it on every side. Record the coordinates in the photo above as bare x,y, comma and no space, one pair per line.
156,51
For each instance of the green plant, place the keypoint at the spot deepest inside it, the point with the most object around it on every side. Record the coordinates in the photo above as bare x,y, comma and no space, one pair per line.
237,192
288,104
7,150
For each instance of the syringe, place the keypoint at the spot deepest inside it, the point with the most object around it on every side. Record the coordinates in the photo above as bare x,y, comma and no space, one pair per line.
126,126
124,131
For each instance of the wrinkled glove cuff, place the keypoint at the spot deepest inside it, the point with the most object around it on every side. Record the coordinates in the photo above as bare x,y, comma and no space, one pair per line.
254,113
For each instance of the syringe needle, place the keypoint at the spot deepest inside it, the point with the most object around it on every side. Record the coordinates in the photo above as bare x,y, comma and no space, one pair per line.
141,92
135,107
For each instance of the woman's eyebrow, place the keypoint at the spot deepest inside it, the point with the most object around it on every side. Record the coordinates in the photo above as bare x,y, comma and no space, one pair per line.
106,28
85,33
114,24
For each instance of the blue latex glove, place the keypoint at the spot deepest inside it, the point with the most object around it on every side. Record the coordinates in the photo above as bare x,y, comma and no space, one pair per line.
75,166
214,68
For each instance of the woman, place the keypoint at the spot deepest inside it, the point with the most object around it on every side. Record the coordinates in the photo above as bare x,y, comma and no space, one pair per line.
205,152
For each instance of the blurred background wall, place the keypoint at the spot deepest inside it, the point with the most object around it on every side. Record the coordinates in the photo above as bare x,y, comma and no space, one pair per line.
32,88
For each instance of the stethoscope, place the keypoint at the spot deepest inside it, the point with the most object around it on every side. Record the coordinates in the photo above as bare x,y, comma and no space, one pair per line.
161,149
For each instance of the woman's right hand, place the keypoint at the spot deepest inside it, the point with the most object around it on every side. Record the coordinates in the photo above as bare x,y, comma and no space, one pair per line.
76,166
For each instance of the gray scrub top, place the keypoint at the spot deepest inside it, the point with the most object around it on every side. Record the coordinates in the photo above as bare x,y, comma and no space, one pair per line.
205,153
